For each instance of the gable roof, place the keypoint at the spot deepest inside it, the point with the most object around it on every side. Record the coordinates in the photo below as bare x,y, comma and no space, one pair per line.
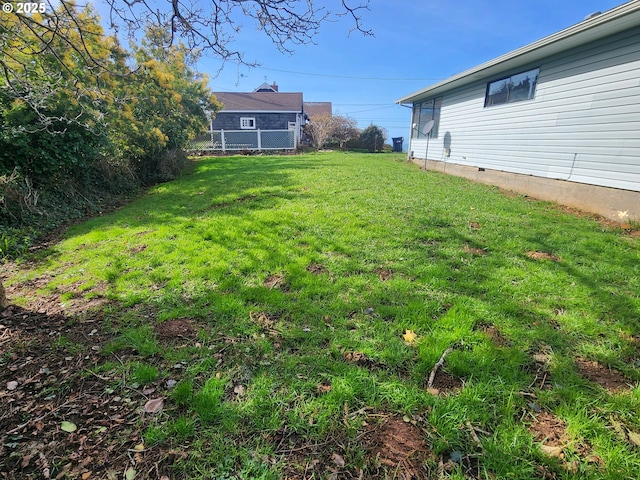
313,109
265,87
260,101
592,28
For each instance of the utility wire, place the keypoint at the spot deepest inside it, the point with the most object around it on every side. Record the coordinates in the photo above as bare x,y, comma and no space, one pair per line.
350,77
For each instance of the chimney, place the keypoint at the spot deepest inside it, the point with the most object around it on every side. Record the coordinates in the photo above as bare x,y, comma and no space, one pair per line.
274,86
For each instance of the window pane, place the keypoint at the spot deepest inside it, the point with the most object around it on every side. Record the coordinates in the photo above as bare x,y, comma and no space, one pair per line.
426,115
523,86
437,106
518,87
415,121
498,92
423,113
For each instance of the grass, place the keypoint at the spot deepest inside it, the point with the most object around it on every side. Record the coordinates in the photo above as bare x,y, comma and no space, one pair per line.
302,273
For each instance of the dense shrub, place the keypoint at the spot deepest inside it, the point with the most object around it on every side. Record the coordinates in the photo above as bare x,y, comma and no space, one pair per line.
84,122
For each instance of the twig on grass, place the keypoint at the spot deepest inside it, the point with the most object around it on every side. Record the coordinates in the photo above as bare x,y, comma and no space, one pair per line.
474,435
435,368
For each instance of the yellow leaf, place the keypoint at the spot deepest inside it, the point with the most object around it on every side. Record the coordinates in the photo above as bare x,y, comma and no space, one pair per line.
409,336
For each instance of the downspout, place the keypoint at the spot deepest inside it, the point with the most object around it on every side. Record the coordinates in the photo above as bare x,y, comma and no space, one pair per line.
410,130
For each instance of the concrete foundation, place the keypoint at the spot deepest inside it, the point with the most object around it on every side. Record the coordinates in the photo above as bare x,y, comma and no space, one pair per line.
614,204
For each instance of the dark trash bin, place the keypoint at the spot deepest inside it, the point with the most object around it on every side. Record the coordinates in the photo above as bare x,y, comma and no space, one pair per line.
397,144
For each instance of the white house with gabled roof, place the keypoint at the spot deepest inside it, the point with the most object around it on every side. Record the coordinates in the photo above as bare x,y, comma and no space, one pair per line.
558,119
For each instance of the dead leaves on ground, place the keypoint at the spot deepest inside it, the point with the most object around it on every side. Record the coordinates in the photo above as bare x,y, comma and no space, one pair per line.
535,255
64,417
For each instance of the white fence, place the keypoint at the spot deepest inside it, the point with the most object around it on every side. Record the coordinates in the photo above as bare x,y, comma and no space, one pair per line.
237,140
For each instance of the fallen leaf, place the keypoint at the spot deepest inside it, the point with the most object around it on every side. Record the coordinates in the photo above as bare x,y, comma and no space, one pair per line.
26,460
338,460
130,474
433,391
238,390
86,475
617,426
154,405
551,451
322,388
12,385
634,438
409,336
68,427
139,447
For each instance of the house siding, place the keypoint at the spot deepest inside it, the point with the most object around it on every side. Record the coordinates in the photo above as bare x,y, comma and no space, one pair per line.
582,126
264,121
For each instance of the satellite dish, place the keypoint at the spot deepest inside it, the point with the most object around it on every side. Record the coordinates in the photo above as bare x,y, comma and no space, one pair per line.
426,130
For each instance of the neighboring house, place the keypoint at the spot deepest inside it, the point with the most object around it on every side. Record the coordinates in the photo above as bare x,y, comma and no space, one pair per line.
314,109
558,119
260,120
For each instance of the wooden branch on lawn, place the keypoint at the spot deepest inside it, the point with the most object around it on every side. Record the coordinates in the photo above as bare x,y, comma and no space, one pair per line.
3,298
437,366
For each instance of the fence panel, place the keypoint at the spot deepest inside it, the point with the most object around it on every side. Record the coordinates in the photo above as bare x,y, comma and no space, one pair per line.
278,139
235,140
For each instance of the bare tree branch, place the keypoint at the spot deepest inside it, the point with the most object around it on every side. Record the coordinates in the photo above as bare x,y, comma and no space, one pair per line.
208,28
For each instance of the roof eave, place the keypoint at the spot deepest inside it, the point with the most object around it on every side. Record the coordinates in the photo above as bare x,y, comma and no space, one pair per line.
612,21
259,111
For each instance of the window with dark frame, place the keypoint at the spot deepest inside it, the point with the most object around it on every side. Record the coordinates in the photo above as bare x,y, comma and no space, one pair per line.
422,114
515,88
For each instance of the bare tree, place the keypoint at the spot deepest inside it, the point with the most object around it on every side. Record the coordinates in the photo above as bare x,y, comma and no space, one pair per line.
209,27
319,129
214,24
344,129
58,30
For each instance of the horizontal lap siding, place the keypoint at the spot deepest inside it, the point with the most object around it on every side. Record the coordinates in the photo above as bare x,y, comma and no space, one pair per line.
583,125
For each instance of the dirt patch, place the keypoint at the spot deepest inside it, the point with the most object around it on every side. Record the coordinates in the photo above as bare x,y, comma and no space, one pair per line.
276,280
317,269
179,328
399,447
610,379
50,374
444,383
535,255
137,249
266,322
474,251
68,300
551,432
384,274
494,335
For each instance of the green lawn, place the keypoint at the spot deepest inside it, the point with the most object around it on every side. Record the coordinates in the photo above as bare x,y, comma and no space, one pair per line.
298,282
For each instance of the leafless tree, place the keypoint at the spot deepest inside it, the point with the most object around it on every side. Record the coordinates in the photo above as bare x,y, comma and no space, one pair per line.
210,26
344,129
207,27
213,25
319,129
